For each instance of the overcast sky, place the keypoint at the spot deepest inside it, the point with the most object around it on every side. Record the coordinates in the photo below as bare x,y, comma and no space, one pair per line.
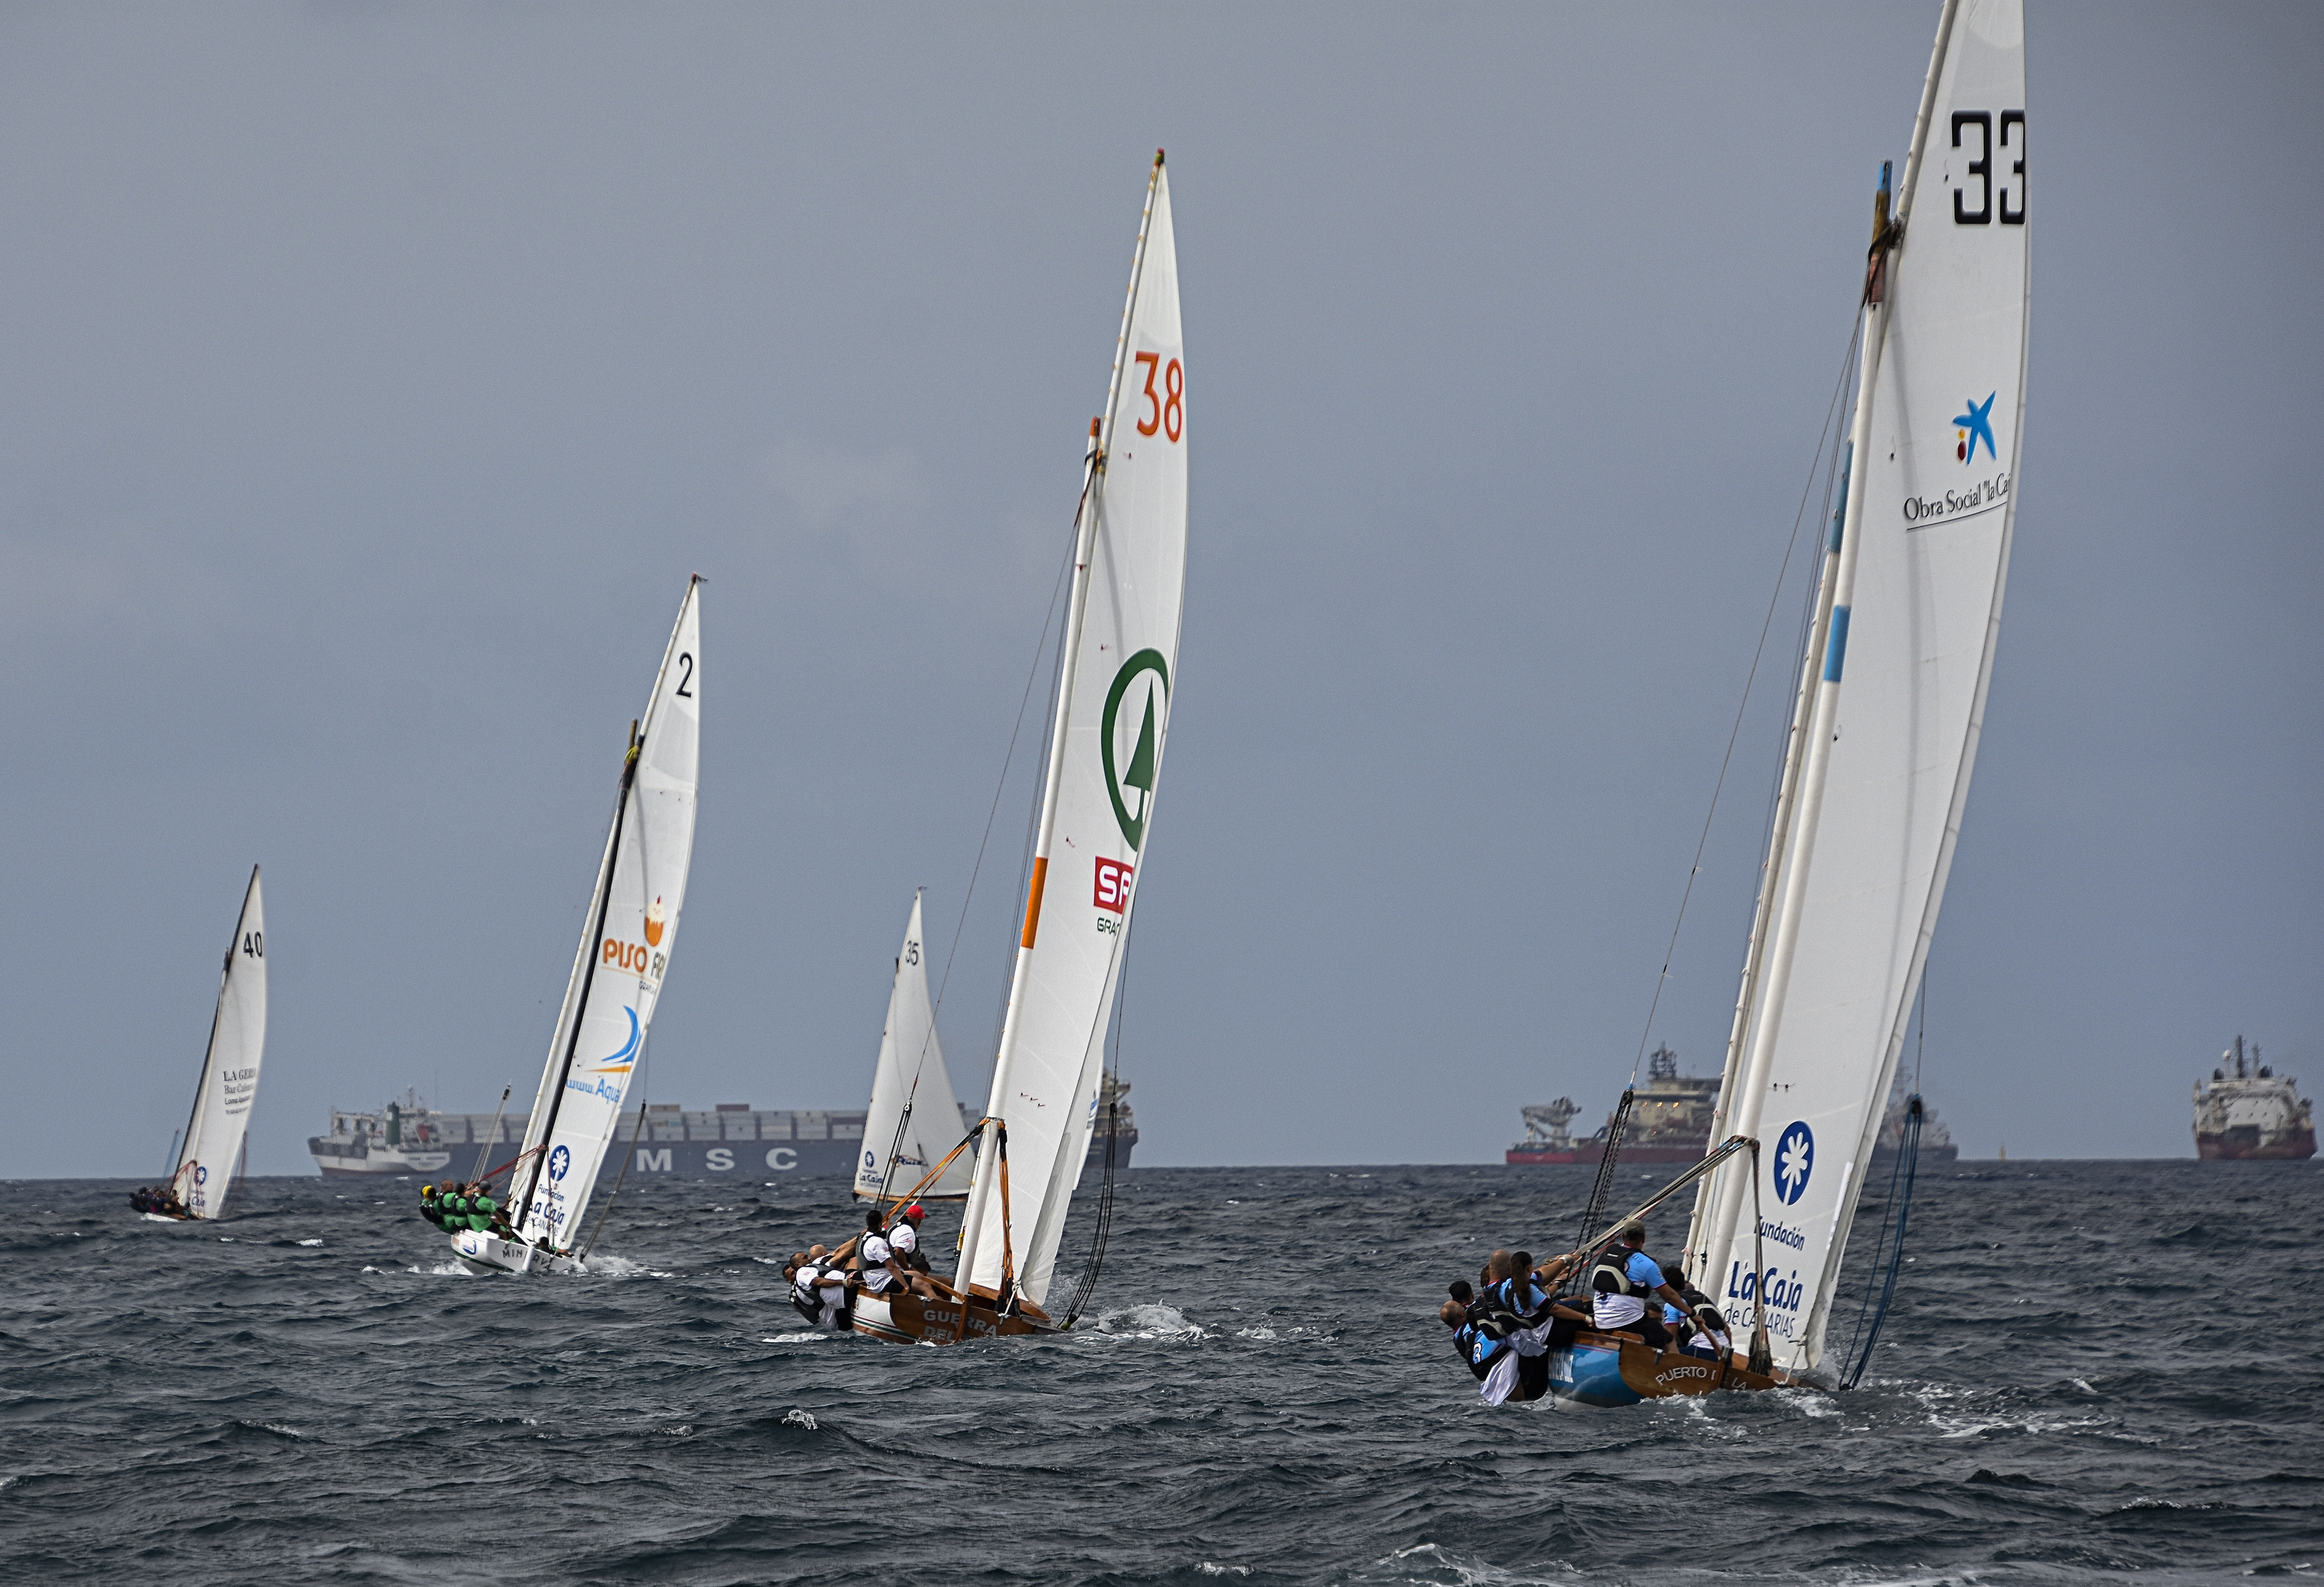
372,377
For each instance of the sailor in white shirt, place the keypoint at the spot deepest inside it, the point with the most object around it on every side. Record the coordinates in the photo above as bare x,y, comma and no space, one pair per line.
904,1238
876,1267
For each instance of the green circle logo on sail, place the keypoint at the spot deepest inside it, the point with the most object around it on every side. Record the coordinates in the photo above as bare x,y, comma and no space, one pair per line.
1139,773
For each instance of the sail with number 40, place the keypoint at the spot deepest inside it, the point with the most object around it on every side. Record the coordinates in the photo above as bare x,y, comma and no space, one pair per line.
1891,697
1118,674
229,1083
913,1119
624,954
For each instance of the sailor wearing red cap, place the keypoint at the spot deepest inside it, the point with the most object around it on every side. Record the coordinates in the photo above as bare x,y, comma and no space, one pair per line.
904,1238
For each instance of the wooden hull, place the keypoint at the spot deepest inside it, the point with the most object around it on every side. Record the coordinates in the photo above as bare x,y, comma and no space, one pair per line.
1603,1370
911,1319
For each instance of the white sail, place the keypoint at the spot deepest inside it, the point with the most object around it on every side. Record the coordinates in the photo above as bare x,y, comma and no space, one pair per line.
1898,684
911,1092
1105,754
624,954
229,1085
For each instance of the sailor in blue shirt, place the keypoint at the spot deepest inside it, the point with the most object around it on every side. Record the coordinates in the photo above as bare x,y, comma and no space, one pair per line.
1624,1280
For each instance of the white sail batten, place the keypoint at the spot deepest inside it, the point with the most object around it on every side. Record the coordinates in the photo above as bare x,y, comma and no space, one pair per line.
913,1116
1904,665
229,1083
1117,662
624,954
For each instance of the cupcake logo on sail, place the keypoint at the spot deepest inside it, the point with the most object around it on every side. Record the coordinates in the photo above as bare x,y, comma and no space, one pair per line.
655,922
1143,682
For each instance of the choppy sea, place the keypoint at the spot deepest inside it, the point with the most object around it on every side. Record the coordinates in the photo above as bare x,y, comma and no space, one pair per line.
2092,1368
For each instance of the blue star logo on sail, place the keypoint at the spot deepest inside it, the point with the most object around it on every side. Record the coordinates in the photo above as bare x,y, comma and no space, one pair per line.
1974,426
1794,1161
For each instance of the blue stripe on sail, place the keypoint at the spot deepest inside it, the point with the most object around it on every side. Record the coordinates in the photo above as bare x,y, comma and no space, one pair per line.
1836,653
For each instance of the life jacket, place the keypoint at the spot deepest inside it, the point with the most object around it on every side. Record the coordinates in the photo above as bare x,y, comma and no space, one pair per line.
1616,1263
1464,1341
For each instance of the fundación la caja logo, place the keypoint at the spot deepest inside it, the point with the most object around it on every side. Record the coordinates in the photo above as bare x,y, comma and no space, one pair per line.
1794,1161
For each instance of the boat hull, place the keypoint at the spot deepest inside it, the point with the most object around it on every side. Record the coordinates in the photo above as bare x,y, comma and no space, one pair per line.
911,1319
2245,1145
1605,1371
486,1252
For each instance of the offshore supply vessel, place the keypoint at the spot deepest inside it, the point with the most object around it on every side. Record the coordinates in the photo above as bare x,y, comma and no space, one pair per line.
408,1138
1670,1122
2251,1114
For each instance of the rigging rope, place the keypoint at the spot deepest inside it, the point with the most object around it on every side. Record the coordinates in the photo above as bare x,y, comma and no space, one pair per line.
1901,1175
1605,1185
1103,1224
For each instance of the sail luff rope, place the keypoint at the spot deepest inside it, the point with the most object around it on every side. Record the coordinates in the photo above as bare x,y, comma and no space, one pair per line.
1101,1227
627,1158
1901,1174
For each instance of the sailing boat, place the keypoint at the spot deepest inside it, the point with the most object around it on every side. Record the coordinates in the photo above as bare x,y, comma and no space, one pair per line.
1875,779
198,1188
616,980
1115,670
913,1118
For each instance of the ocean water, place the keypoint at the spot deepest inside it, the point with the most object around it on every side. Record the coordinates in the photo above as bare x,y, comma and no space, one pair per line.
2092,1370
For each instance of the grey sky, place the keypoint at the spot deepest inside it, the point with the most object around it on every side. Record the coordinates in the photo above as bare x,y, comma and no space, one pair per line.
373,377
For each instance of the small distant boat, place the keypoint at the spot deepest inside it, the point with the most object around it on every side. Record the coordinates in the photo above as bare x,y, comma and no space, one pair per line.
2252,1114
913,1120
216,1128
1116,672
616,980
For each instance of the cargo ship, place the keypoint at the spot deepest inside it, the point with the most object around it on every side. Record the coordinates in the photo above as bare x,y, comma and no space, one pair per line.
1937,1147
1670,1122
2252,1114
407,1139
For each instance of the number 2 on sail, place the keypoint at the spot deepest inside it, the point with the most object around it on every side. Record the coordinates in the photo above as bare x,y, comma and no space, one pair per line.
1166,409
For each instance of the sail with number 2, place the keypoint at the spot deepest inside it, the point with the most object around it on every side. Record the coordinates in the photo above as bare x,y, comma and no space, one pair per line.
616,979
215,1129
1116,674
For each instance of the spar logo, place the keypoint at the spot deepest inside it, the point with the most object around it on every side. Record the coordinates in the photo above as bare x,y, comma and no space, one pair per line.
1974,426
1146,676
560,1161
1113,884
1794,1161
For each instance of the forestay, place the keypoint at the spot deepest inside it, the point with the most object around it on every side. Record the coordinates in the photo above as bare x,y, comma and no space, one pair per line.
229,1085
910,1080
1105,756
1905,663
624,953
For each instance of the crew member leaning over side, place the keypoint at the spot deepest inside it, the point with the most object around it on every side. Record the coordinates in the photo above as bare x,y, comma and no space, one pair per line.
1624,1280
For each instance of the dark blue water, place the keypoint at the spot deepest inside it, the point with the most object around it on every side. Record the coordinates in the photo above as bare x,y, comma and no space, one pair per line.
2093,1369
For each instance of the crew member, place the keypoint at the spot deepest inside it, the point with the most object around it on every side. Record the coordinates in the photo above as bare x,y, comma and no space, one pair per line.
1622,1283
904,1238
876,1267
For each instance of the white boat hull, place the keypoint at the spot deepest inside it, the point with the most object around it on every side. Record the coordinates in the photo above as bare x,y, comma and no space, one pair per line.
489,1253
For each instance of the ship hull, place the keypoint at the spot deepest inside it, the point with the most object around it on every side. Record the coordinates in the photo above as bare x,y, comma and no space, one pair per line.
661,1159
2245,1146
1591,1151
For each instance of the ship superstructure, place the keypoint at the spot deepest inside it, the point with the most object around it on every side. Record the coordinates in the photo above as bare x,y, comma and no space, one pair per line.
1670,1122
2246,1113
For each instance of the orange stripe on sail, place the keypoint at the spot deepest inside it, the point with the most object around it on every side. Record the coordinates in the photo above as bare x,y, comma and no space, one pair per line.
1033,899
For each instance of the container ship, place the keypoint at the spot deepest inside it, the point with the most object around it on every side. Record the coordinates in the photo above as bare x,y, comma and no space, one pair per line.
2251,1115
406,1138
